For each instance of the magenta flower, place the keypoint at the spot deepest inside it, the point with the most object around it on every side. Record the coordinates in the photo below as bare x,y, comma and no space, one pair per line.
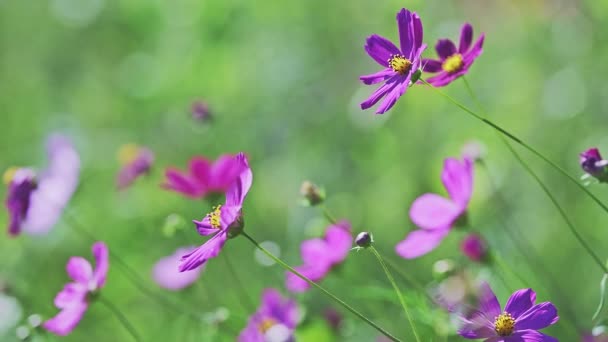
474,247
519,322
136,161
275,320
203,176
594,166
435,215
224,221
166,274
73,300
400,65
452,62
321,255
36,204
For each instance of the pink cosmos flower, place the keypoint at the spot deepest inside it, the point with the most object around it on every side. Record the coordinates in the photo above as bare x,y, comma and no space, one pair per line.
203,176
166,274
224,221
320,255
73,299
136,161
274,321
435,215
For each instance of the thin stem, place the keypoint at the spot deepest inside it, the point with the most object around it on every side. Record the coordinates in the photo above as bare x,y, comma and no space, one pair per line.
538,180
520,142
246,301
320,288
396,288
121,317
407,278
328,215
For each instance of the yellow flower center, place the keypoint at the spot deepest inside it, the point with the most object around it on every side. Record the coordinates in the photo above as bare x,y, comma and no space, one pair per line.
9,174
504,324
215,217
127,153
453,63
400,64
266,324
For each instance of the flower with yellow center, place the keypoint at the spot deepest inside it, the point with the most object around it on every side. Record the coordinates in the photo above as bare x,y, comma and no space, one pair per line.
266,324
9,174
504,324
400,64
453,63
215,217
128,153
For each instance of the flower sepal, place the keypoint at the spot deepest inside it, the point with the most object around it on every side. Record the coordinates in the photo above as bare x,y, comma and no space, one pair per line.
236,228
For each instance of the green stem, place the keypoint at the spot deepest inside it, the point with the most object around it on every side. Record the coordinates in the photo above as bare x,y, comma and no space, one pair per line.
520,142
320,288
121,317
328,215
396,288
576,234
408,279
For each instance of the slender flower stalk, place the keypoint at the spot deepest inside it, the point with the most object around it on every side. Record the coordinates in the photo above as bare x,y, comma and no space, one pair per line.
399,294
576,234
121,317
320,288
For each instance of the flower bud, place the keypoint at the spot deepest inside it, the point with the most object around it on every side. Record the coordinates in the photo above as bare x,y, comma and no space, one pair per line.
312,194
474,247
592,163
416,76
201,112
364,239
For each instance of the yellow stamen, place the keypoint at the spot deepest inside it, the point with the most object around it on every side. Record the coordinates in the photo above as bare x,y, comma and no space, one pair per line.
266,324
504,324
128,153
9,174
400,64
453,63
215,217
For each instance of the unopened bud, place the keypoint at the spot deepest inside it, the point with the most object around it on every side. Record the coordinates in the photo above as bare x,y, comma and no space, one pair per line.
312,194
200,111
474,247
364,239
416,76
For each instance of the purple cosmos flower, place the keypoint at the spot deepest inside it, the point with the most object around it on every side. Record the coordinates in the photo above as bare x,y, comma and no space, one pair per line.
73,300
224,221
452,62
436,215
590,338
320,255
200,111
166,274
592,163
36,204
274,321
204,177
135,161
519,322
474,247
400,65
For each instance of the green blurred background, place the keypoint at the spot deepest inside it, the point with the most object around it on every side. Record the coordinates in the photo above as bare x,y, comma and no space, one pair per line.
281,79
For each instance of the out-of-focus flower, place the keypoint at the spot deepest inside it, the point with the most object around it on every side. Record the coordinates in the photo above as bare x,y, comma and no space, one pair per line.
312,194
166,274
74,299
320,255
200,111
594,166
333,318
203,176
519,322
136,161
274,321
400,65
224,221
474,247
589,337
10,313
453,62
474,150
435,215
35,203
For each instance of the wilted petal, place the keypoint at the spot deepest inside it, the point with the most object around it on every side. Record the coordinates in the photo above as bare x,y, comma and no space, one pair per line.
420,242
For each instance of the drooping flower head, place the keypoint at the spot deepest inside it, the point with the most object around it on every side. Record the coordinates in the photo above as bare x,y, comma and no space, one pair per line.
204,177
165,272
400,65
435,215
519,322
224,221
592,163
35,203
275,320
320,255
136,161
74,299
453,62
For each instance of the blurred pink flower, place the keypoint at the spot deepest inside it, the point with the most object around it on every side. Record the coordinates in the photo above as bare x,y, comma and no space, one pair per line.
274,321
136,161
167,275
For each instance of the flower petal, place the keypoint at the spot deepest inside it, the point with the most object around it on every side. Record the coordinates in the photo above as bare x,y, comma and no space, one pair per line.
202,254
377,77
79,269
431,65
406,33
520,301
380,92
200,170
445,48
102,263
537,317
488,303
394,94
529,336
225,170
177,181
380,49
420,242
466,37
70,294
457,177
237,192
314,272
166,274
477,326
431,211
339,241
66,320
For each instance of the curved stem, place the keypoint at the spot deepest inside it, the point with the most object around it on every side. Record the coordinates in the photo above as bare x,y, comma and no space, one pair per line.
320,288
328,215
396,288
520,142
576,234
121,317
